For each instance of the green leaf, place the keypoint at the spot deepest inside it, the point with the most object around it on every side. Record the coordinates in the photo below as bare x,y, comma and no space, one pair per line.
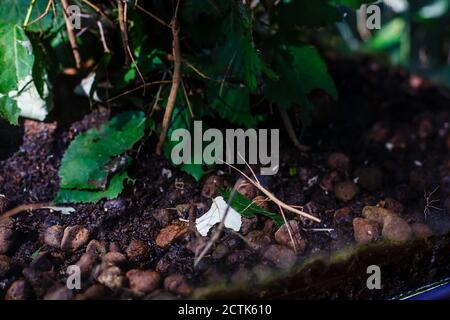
86,163
181,119
300,70
9,110
15,11
390,35
114,189
18,66
236,57
247,209
232,103
16,57
306,13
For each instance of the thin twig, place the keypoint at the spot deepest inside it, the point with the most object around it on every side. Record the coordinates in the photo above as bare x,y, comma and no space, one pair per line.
187,99
123,29
272,197
99,11
289,229
122,13
136,4
29,11
138,88
176,79
71,34
290,130
102,37
47,9
24,207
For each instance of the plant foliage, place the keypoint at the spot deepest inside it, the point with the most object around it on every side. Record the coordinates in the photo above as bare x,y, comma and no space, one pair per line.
238,58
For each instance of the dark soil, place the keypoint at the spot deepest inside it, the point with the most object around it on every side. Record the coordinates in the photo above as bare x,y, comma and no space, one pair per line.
393,123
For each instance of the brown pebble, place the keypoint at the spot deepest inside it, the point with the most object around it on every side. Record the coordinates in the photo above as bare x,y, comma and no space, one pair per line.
421,230
211,186
346,191
365,230
282,237
53,235
339,161
328,181
138,250
19,290
220,251
342,215
246,188
96,248
59,293
425,128
163,216
258,239
396,229
3,203
114,258
86,263
379,132
111,277
177,284
114,247
391,205
369,178
94,292
248,224
5,265
376,214
6,235
183,210
74,238
170,234
143,281
280,256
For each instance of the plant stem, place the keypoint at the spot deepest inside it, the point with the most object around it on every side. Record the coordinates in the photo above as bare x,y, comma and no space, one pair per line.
29,11
176,79
71,34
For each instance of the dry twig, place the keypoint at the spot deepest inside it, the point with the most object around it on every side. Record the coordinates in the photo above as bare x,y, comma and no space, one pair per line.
24,207
290,130
71,34
176,79
122,13
272,197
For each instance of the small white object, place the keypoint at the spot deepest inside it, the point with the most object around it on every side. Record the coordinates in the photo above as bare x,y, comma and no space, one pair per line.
215,214
389,146
418,163
166,173
63,210
84,88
